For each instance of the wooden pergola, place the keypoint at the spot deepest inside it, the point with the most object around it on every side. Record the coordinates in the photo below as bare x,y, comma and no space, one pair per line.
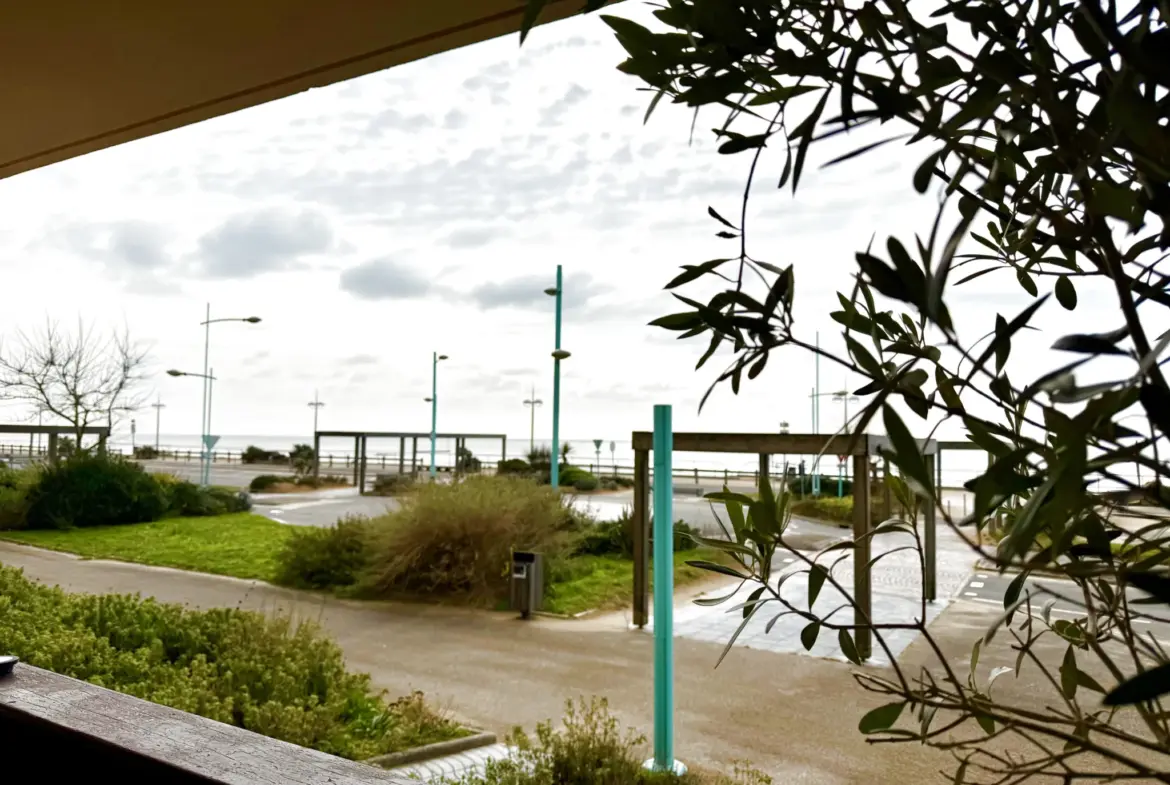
765,445
361,442
54,432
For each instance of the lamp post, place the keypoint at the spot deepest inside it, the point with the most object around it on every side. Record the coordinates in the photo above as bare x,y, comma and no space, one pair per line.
532,402
434,402
316,405
843,396
158,406
558,355
205,425
208,378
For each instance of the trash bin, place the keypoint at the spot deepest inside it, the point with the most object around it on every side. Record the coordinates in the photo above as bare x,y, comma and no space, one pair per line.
527,582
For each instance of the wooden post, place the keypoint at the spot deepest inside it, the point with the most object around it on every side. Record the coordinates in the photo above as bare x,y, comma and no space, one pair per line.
52,448
887,491
930,566
862,595
357,453
641,536
316,455
503,448
362,465
414,456
764,475
401,455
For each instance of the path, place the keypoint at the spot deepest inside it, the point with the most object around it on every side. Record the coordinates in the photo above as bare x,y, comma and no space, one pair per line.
793,717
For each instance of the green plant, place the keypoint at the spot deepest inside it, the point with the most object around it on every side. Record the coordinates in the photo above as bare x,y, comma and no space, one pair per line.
145,452
325,558
466,461
267,675
591,748
94,490
14,487
264,482
617,537
585,482
514,466
1045,132
392,484
458,538
253,454
303,459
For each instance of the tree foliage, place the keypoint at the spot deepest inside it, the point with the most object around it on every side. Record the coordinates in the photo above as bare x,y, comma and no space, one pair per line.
1043,134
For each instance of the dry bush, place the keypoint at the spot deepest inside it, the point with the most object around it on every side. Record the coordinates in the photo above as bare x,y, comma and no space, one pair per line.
458,538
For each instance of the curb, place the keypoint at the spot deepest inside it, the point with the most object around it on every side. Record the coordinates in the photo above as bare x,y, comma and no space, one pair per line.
429,751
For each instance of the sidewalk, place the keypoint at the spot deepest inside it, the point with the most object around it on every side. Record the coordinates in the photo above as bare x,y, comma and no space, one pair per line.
794,717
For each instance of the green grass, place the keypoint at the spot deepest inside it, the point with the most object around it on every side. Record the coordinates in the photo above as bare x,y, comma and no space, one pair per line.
241,545
584,583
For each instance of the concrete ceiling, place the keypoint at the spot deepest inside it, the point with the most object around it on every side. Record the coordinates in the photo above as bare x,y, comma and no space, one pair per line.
83,75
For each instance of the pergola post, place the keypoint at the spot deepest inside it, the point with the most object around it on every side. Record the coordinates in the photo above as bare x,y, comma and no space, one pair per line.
764,469
52,448
862,595
357,452
316,455
361,483
101,443
413,455
929,570
641,537
886,491
503,448
401,454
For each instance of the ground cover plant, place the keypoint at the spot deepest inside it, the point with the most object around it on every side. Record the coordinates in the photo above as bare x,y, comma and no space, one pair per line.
1040,134
591,748
270,676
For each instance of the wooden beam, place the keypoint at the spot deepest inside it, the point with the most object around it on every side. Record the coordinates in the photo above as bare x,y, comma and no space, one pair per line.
641,535
862,588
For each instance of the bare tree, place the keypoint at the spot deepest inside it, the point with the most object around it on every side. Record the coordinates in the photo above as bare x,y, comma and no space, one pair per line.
84,378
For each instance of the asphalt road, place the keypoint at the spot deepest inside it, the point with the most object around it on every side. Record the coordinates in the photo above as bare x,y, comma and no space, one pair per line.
990,587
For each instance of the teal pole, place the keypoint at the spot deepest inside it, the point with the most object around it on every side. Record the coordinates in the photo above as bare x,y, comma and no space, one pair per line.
434,405
554,472
204,426
816,473
840,476
663,595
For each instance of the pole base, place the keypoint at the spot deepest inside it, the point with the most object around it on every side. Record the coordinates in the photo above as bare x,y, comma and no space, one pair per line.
678,768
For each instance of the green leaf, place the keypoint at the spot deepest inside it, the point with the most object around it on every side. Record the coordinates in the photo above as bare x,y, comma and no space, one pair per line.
1086,344
1012,595
882,718
848,648
1068,674
1066,293
908,457
532,11
678,321
711,212
925,171
808,635
805,132
711,566
738,143
816,579
1155,584
1145,686
693,271
986,723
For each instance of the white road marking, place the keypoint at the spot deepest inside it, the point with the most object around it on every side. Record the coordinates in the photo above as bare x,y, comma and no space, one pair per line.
971,594
976,584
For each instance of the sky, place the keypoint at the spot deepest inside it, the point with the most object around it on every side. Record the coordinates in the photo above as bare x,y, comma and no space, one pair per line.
425,209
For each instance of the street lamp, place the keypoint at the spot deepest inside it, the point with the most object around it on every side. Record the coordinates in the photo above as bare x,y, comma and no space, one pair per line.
208,378
206,375
316,405
158,407
558,355
532,403
434,402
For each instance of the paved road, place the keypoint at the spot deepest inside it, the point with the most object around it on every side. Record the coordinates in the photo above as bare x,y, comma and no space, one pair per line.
990,587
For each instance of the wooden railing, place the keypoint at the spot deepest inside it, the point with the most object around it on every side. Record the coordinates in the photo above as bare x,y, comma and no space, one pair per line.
67,730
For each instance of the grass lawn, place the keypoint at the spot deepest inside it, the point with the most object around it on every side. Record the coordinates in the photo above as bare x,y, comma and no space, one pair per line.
241,545
586,583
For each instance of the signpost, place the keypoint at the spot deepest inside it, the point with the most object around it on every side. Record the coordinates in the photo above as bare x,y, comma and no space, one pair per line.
613,460
663,759
597,452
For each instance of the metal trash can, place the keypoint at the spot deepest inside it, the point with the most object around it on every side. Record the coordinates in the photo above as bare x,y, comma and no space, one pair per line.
527,582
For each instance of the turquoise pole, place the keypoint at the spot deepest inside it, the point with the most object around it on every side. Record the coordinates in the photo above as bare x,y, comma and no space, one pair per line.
554,472
816,473
434,405
663,595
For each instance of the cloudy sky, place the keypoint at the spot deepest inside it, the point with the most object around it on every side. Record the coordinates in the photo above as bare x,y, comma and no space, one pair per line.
425,209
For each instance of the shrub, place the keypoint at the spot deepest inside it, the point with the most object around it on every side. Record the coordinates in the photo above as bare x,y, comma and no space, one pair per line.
392,484
186,499
254,454
590,749
617,537
302,459
323,558
263,482
458,538
238,667
145,452
14,487
94,490
608,484
514,466
586,482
